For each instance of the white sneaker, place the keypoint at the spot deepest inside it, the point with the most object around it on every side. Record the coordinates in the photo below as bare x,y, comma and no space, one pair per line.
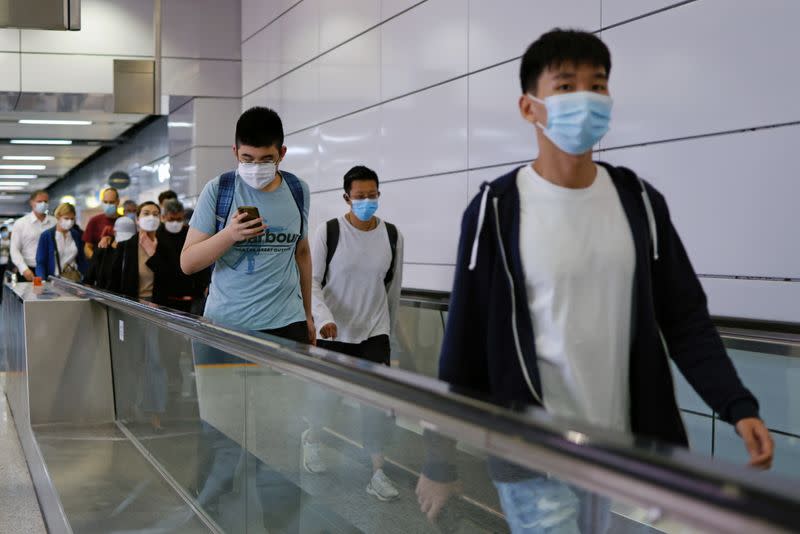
381,487
312,455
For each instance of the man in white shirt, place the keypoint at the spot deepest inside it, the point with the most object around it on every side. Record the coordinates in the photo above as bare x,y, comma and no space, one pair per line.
573,291
26,231
357,274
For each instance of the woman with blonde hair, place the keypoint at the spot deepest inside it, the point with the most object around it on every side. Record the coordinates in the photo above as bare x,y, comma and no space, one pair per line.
60,251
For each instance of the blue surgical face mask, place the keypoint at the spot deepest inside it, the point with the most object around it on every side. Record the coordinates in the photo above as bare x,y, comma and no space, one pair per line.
109,209
576,121
4,234
41,207
364,209
131,216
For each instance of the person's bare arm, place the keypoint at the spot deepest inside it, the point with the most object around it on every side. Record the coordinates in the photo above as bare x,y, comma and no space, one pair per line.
201,250
302,255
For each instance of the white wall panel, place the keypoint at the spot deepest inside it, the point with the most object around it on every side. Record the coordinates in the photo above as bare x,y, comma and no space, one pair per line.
732,198
300,101
425,133
258,13
67,74
348,142
9,40
117,27
349,77
497,131
753,299
390,8
210,162
269,96
428,213
201,77
201,29
9,66
215,121
503,29
181,128
709,79
300,33
424,46
343,19
430,277
302,156
616,11
261,58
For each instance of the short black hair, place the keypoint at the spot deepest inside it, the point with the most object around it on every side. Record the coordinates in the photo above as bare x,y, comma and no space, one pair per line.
172,206
359,172
557,47
259,127
167,195
145,204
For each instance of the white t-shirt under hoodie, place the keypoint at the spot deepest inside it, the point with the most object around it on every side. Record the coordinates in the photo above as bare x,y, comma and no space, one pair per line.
355,298
579,260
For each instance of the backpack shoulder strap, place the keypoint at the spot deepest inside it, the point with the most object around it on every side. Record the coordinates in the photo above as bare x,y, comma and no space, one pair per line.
296,188
332,240
225,191
392,231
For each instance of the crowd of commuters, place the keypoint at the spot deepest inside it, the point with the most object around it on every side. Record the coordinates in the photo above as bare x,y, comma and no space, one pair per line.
562,245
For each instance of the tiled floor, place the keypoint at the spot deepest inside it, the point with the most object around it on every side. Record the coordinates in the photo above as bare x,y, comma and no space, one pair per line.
19,508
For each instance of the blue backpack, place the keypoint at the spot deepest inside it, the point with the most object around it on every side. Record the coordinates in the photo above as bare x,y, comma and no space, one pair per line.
227,187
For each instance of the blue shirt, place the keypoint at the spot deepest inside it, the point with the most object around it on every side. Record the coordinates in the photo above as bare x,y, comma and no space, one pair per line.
256,283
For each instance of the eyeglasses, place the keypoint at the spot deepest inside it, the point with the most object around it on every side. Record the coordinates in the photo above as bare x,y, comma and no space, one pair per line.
371,196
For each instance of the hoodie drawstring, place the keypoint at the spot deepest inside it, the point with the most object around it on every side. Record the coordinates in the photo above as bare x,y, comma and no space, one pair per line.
473,261
651,219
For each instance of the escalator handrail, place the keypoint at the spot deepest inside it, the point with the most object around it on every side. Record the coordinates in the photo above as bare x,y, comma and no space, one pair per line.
782,339
625,466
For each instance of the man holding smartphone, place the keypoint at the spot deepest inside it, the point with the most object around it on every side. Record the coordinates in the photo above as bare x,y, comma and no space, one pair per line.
262,273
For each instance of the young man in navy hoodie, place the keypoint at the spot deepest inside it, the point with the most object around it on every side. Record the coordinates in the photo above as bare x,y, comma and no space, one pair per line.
568,273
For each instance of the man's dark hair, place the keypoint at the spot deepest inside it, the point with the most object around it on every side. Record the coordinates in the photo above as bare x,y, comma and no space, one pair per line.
145,204
259,127
557,47
129,202
359,172
37,193
169,194
172,206
113,189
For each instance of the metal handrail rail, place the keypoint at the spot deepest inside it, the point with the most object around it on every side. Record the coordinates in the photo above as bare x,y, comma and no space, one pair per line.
716,496
738,334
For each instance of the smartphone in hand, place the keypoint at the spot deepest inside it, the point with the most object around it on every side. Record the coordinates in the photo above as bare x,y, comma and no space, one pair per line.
251,211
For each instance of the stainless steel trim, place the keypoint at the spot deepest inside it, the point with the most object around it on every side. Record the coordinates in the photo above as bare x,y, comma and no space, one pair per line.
74,18
708,495
169,479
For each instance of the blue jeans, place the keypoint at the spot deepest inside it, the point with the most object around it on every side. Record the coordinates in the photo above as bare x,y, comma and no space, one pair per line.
548,506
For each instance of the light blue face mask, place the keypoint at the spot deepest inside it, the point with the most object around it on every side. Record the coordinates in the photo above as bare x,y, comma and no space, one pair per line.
364,209
109,209
576,121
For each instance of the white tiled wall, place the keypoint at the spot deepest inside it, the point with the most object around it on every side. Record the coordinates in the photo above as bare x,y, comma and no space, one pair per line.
425,92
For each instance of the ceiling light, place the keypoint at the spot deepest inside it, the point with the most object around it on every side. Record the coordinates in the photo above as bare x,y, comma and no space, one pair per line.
23,167
68,199
28,158
41,142
13,183
180,124
11,188
55,122
20,176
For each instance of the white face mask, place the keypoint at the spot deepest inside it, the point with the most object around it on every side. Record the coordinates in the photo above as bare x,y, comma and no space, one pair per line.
257,175
149,223
173,227
41,207
66,224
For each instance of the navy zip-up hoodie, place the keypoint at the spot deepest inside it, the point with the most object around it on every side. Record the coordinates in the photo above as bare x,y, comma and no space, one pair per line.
489,344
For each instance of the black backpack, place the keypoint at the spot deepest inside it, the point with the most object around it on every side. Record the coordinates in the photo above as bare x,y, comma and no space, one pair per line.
332,231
